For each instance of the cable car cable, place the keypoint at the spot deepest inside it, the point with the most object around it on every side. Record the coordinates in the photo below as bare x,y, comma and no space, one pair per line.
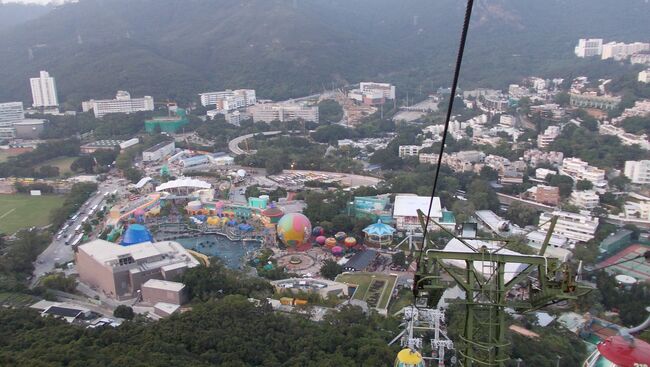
454,86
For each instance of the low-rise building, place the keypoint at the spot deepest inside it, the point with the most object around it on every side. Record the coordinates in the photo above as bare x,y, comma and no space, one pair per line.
576,227
409,150
644,76
94,146
123,103
549,111
120,271
626,138
171,124
158,151
29,128
637,206
588,47
621,51
507,120
541,173
361,260
590,100
371,93
405,213
640,58
229,100
268,112
548,137
578,170
586,199
156,290
10,114
638,172
535,157
549,195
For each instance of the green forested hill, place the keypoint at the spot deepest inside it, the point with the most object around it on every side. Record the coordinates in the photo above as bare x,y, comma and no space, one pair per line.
177,48
230,332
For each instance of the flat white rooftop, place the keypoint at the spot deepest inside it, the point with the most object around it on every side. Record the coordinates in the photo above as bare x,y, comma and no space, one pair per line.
407,206
164,285
104,251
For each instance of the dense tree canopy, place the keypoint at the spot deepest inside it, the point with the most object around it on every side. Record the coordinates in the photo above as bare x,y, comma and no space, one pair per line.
603,151
229,332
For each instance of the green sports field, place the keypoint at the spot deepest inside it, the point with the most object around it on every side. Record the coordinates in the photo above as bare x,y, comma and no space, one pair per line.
24,211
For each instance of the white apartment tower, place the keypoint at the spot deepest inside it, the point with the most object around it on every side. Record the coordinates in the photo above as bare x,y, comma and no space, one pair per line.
589,47
638,172
10,113
44,91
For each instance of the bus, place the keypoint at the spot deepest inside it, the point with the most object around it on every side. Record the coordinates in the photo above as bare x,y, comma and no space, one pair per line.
84,219
74,217
94,208
78,228
64,228
77,240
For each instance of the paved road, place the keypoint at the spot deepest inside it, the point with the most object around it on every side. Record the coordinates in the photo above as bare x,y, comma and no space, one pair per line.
233,145
60,252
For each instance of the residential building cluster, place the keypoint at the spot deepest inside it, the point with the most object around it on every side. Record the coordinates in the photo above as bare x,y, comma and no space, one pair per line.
578,170
611,50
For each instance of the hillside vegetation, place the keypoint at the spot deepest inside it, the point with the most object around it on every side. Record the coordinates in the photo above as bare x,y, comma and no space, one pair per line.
175,49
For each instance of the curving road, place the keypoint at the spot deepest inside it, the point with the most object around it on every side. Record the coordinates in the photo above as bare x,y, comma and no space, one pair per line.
234,148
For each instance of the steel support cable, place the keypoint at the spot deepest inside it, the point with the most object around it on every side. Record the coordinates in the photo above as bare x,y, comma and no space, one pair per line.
454,86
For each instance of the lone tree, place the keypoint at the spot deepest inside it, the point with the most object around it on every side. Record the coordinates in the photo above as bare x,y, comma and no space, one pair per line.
124,312
330,269
399,259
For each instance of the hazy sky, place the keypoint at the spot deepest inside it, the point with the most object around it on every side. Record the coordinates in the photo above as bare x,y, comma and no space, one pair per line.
28,1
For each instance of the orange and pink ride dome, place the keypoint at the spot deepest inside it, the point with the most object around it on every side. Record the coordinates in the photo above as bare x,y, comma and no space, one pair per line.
294,230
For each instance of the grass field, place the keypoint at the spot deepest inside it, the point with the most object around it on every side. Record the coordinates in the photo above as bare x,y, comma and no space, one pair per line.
363,280
62,162
4,156
24,211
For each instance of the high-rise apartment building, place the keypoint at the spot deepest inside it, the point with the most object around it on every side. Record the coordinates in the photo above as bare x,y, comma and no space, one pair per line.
123,103
44,91
10,113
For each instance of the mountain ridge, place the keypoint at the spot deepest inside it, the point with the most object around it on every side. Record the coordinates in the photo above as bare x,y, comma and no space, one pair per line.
175,49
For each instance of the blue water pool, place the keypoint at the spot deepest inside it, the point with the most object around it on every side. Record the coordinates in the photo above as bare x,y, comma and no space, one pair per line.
232,253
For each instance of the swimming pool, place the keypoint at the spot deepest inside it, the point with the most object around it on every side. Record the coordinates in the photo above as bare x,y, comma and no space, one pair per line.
232,253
